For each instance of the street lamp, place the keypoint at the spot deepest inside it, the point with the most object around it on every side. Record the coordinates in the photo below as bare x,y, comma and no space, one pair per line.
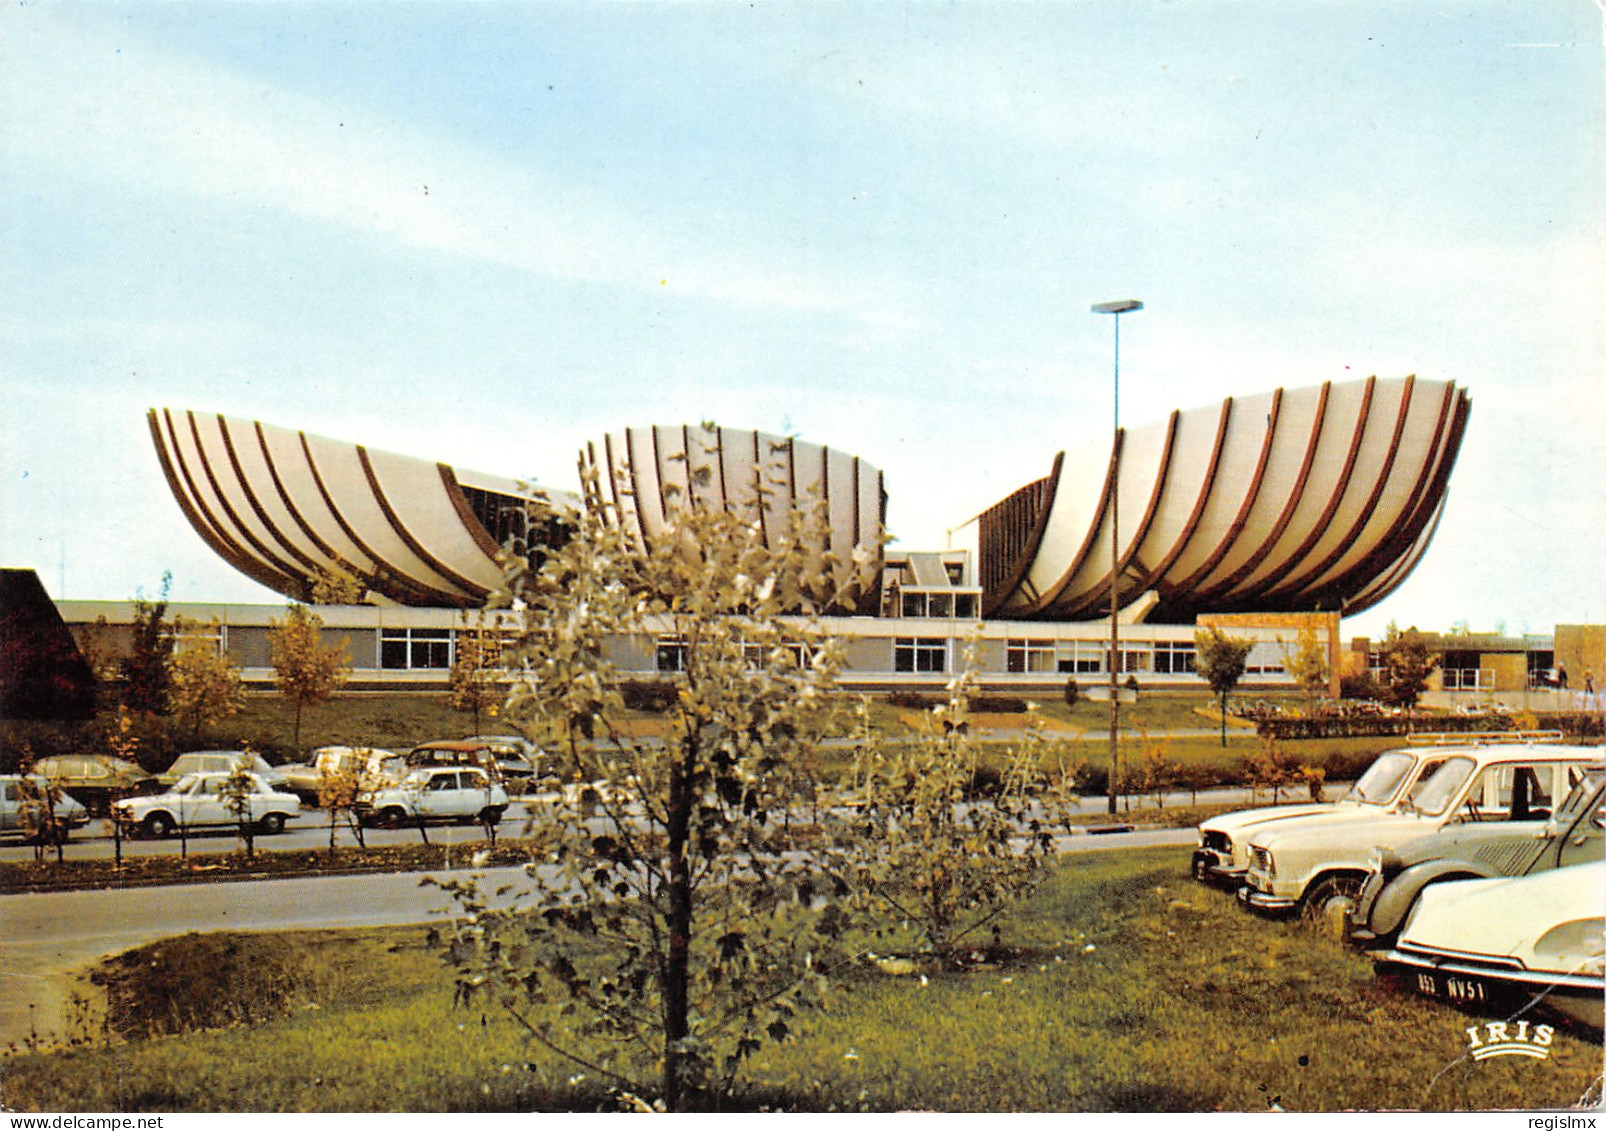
1118,308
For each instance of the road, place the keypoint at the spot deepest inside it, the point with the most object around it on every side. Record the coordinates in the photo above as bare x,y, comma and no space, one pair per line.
46,938
311,830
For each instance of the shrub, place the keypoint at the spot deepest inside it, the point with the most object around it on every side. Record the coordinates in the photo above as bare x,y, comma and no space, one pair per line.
911,700
651,695
998,704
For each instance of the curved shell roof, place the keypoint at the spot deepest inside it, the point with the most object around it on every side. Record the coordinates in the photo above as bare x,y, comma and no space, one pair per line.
763,477
1316,498
284,507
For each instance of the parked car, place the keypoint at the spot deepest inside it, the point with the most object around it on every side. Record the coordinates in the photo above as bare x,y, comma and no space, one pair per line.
22,804
463,794
200,800
1479,850
96,780
222,762
1495,945
456,752
1222,858
1319,867
371,765
516,756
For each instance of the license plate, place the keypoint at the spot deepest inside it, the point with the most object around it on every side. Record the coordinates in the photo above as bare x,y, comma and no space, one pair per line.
1454,988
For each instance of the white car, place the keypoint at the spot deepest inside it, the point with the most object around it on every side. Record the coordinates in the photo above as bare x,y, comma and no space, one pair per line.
434,794
1222,858
22,804
202,801
1497,944
372,766
222,761
1320,867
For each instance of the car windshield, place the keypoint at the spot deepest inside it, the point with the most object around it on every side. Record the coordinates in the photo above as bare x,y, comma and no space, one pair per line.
1432,796
1382,780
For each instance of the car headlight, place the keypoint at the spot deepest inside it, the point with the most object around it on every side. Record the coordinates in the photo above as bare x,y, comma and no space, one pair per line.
1571,943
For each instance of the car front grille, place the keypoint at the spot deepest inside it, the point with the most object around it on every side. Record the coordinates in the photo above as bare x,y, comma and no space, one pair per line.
1261,859
1218,841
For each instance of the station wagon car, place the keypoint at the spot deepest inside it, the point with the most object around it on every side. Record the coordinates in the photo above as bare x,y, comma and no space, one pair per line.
96,780
1319,867
1496,945
463,794
201,801
1222,857
1479,850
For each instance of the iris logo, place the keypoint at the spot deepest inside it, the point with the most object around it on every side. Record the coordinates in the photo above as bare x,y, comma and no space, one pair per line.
1498,1040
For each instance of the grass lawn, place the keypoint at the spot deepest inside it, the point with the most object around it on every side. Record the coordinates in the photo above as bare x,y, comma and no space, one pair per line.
1134,989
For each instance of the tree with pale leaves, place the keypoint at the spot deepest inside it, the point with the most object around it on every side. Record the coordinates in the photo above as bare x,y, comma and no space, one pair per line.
675,921
204,684
305,670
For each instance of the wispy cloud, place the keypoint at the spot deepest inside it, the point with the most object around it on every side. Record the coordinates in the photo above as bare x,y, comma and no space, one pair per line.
99,106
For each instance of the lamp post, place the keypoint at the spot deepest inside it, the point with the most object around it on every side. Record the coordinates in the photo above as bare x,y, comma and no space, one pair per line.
1118,308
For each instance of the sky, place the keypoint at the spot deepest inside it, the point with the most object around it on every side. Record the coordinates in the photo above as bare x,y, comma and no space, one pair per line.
486,233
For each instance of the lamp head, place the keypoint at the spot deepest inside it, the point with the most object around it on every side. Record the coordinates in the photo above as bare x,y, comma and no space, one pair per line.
1121,306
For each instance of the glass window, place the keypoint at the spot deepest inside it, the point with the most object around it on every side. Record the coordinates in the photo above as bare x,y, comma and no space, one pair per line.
965,606
1382,779
920,654
1434,795
1174,657
403,648
940,605
914,605
670,655
1030,656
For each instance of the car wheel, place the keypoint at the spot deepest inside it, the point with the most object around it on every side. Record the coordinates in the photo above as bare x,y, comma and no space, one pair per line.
157,825
391,819
1331,901
273,824
491,816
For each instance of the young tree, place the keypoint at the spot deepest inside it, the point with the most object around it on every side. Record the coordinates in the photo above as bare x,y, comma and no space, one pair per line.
1220,663
145,671
1072,691
304,670
677,928
337,793
1308,664
39,798
476,679
1271,769
1407,663
336,587
949,858
237,790
204,685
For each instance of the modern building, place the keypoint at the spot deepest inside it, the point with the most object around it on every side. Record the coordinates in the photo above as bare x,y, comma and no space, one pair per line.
1270,514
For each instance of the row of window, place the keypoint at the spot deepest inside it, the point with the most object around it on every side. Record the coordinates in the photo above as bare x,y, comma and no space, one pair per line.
1166,657
940,605
402,649
434,648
